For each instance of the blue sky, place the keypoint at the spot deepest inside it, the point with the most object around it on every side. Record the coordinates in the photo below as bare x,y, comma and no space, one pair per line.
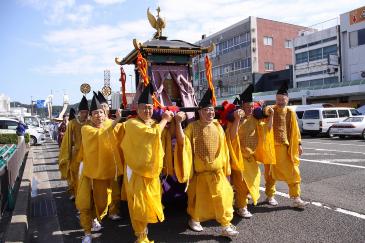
56,45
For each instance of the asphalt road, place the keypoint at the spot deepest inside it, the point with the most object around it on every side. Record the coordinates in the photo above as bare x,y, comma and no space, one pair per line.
333,180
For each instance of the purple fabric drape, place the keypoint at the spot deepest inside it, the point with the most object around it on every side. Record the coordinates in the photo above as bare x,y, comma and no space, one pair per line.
180,75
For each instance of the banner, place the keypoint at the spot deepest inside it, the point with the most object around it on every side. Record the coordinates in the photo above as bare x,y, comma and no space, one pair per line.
40,103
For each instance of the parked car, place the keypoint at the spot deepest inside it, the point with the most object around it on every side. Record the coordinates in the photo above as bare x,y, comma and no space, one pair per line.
352,126
318,120
8,125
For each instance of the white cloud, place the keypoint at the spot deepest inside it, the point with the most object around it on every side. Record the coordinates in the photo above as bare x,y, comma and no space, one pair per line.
108,2
60,11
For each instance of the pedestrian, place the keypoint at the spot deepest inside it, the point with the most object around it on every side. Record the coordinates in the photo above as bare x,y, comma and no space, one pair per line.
62,129
143,157
202,161
244,135
69,156
101,163
288,148
117,183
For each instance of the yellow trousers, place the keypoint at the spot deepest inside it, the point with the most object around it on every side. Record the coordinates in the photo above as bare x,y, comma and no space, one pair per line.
240,189
93,198
116,196
73,182
210,196
283,170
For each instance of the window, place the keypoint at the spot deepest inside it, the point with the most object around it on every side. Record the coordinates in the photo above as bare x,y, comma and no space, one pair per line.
331,80
329,114
315,54
355,113
288,44
11,125
301,57
357,38
269,66
300,114
354,119
316,82
343,113
311,114
302,84
329,50
267,41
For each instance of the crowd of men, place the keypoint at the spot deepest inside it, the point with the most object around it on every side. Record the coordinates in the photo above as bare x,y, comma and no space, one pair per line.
105,161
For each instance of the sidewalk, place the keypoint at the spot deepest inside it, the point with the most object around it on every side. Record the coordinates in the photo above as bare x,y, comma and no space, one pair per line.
53,217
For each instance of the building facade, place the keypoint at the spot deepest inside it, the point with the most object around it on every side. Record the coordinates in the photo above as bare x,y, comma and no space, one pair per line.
353,44
253,45
316,58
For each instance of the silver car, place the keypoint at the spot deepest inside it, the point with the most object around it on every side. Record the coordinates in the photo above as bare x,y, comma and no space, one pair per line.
351,126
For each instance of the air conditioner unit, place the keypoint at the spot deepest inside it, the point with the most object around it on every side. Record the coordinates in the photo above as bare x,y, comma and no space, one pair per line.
331,70
226,70
363,74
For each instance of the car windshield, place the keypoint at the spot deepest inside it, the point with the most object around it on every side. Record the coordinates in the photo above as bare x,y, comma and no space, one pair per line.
354,119
311,114
355,112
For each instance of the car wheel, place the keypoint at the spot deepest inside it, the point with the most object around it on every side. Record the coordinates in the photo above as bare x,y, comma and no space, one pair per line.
33,140
329,133
342,136
363,134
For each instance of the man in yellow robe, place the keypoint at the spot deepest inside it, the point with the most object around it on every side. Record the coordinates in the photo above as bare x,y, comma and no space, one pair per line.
70,148
143,155
117,183
288,148
101,165
202,160
244,135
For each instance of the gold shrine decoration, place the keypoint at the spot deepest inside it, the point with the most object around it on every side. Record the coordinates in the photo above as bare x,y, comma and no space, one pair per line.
156,22
106,91
85,88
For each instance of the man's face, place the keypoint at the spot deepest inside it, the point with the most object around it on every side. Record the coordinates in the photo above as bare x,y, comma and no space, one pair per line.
83,114
145,111
105,107
248,108
207,114
282,100
98,117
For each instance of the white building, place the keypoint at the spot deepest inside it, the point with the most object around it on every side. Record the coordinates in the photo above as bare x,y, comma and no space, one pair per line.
353,44
316,58
4,104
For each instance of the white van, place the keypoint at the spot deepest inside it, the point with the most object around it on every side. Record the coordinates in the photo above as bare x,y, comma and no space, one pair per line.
319,120
299,110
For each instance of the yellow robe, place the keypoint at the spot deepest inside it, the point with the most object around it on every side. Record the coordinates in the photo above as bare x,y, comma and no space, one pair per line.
101,165
253,144
203,162
287,139
70,154
143,155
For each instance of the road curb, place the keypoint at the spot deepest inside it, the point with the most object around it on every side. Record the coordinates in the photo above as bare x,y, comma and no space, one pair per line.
18,228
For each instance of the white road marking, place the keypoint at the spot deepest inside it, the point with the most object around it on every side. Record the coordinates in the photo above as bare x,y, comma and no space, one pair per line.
334,150
345,144
321,205
349,160
330,163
